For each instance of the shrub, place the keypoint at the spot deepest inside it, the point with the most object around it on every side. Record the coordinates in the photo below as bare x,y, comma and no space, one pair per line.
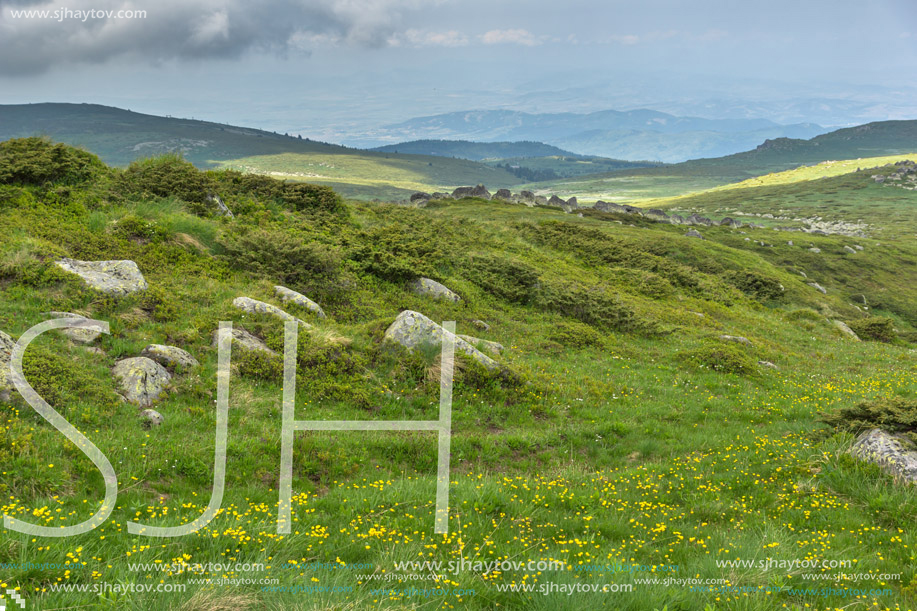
258,364
38,161
509,280
133,227
757,285
875,328
575,335
284,256
593,306
170,176
893,414
804,314
721,357
398,252
301,196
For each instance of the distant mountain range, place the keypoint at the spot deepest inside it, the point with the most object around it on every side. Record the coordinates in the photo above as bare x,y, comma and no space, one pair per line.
632,135
476,151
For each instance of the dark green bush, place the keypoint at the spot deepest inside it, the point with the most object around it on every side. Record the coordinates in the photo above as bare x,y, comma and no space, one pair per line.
875,328
37,161
302,196
398,252
284,256
804,314
593,306
721,357
258,364
574,334
757,285
135,228
509,280
170,176
893,414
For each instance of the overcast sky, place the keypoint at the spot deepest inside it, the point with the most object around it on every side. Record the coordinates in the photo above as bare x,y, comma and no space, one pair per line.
329,67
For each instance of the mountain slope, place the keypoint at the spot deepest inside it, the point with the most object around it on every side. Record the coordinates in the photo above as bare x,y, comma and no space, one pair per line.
476,151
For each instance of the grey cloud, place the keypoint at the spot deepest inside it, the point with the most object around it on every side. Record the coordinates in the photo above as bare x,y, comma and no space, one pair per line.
174,29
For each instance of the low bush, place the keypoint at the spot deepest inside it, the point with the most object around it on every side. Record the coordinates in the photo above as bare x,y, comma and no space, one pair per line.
892,414
38,161
875,328
170,176
509,280
721,357
575,335
757,285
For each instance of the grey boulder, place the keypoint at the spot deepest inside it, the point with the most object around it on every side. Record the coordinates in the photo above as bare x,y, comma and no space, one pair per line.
413,329
245,340
169,356
894,454
150,418
290,296
846,330
142,380
81,335
110,277
253,306
431,288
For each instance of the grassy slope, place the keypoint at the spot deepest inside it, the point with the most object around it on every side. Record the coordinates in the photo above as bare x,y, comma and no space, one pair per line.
614,452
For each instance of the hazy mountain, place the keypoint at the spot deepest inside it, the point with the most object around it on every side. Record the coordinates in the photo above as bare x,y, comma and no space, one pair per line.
476,151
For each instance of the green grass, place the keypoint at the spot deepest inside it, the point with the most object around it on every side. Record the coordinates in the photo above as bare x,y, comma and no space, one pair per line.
619,446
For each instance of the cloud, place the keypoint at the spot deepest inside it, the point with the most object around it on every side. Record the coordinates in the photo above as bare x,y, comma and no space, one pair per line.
517,37
426,38
180,30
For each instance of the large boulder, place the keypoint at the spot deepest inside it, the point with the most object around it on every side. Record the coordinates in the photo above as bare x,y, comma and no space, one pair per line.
526,197
480,191
169,356
431,288
846,330
737,339
413,329
693,233
556,201
245,340
253,306
818,287
420,197
657,215
486,344
111,277
894,454
503,194
6,354
290,296
80,335
142,380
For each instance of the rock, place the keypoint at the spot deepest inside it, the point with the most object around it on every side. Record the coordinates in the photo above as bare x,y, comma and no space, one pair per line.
858,247
222,209
413,329
111,277
860,299
695,219
748,239
480,324
728,222
846,330
818,287
573,203
244,340
503,194
738,339
480,191
462,192
150,418
677,219
253,306
768,364
290,296
439,195
6,354
789,242
849,250
803,274
657,215
80,335
431,288
495,347
169,356
608,206
541,200
526,197
693,233
556,201
892,453
420,196
143,380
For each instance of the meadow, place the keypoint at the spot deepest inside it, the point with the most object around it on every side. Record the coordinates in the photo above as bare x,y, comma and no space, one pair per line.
629,442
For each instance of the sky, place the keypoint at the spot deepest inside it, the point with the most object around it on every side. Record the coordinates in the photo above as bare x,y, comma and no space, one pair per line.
334,68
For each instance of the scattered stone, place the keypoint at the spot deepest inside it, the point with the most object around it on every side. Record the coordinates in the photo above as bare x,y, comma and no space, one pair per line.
413,329
290,296
439,195
143,380
244,340
431,288
480,191
738,339
6,354
527,197
849,250
693,233
768,364
789,242
803,274
495,347
657,215
253,306
150,418
815,250
698,314
858,247
222,209
728,222
846,330
541,200
111,277
818,287
80,335
860,299
420,196
556,201
169,356
893,453
677,219
480,324
503,194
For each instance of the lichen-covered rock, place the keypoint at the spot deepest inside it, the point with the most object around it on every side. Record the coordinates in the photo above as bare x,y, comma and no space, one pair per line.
894,454
737,339
503,194
818,287
486,344
412,329
253,306
169,356
480,324
6,355
849,251
693,233
846,330
77,334
143,380
290,296
111,277
768,364
244,340
431,288
150,418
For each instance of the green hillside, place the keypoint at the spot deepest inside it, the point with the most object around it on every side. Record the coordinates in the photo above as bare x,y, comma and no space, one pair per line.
628,432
